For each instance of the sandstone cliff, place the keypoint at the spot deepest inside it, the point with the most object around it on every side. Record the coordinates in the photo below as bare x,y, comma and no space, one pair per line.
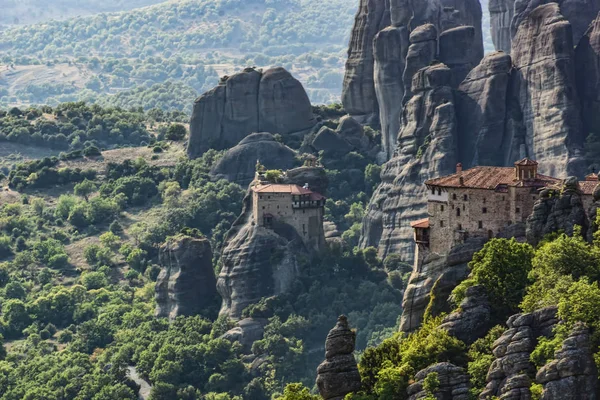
460,13
454,383
250,101
186,284
501,15
587,57
473,318
338,375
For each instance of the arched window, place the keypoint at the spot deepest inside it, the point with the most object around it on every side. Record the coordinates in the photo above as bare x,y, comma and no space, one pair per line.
458,212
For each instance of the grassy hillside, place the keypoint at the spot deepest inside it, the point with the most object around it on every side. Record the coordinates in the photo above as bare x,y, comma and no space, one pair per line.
188,42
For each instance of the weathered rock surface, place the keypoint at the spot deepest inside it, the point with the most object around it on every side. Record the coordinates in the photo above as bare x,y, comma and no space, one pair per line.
427,148
543,57
458,50
482,111
354,134
593,214
330,143
580,13
358,93
246,332
186,284
501,15
390,50
247,102
421,52
435,277
338,374
510,374
239,163
473,320
316,177
572,375
587,57
458,13
559,212
454,383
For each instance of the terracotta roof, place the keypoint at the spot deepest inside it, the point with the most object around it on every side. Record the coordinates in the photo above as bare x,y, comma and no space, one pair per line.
422,223
294,190
587,187
592,177
525,162
489,178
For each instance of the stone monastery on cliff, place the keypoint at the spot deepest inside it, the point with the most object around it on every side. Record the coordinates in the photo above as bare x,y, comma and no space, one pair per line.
483,201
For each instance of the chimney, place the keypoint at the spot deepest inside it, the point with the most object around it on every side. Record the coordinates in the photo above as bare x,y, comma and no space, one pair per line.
458,168
306,186
461,180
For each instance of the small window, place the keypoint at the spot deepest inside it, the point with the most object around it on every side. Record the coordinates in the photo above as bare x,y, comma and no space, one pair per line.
260,197
441,224
433,191
533,197
458,212
465,197
502,198
439,192
490,234
518,210
484,210
460,227
303,211
263,207
480,224
484,200
442,208
454,196
278,207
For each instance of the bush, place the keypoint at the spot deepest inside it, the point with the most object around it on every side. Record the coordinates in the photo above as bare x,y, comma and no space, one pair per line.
176,132
94,280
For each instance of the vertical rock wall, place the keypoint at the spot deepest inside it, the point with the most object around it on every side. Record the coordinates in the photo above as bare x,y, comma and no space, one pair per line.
501,15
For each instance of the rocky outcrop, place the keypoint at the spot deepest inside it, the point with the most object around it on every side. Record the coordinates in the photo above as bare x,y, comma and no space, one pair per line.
315,177
427,148
358,93
555,212
572,375
330,143
587,57
593,213
239,163
250,101
432,281
421,53
186,284
482,111
511,373
501,15
390,50
459,51
338,374
454,383
246,332
459,13
579,13
473,319
334,144
545,88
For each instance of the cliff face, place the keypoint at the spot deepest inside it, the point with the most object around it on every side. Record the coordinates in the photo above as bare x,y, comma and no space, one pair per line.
460,13
186,284
250,101
501,15
453,383
587,57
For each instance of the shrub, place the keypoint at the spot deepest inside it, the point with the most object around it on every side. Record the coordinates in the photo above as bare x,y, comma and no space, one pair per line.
176,132
94,280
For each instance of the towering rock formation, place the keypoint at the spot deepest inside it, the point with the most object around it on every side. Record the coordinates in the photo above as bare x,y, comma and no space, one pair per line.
587,57
457,13
358,93
459,52
580,13
572,375
186,284
543,58
473,318
427,148
421,53
482,111
338,374
512,372
390,49
239,163
501,15
454,383
247,102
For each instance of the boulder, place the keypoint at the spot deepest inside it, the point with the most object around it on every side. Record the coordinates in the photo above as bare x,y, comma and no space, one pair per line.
482,111
358,91
501,15
473,319
454,383
390,50
316,177
330,143
511,373
246,332
239,163
353,133
338,375
421,53
186,284
247,102
459,51
572,375
545,89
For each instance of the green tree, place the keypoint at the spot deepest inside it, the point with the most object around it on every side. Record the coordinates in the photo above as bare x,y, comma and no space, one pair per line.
84,189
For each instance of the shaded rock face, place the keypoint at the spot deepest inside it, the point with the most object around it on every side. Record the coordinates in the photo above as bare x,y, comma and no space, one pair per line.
421,53
501,15
330,143
239,163
459,13
572,375
316,178
246,332
580,13
510,374
482,111
545,89
473,320
358,93
454,383
250,101
435,276
186,284
587,57
459,52
593,214
338,374
390,50
427,148
557,213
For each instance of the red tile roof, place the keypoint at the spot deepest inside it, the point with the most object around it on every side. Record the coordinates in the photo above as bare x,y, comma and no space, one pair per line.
526,162
422,223
587,187
295,190
488,178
